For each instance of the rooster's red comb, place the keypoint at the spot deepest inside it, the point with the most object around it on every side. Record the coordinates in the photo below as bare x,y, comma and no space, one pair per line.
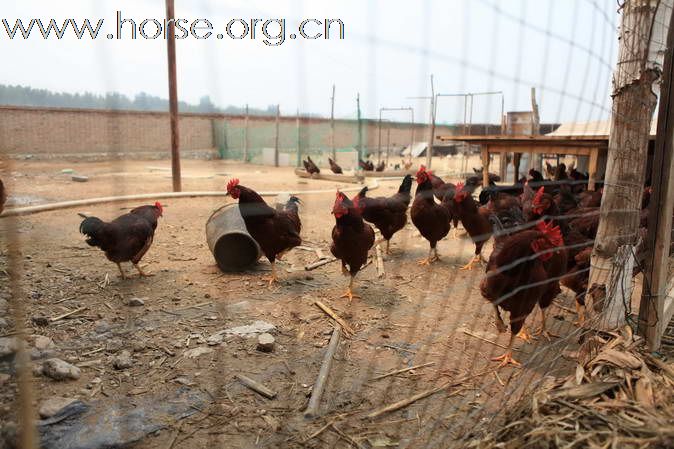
160,207
539,195
231,184
551,231
422,169
459,186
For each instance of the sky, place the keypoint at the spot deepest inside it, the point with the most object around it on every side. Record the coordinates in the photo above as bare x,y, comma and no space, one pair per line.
566,49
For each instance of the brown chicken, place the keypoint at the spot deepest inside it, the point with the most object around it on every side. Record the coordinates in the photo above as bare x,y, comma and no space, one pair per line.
431,219
126,238
310,167
389,215
516,276
475,221
277,232
352,238
380,166
577,279
336,169
3,196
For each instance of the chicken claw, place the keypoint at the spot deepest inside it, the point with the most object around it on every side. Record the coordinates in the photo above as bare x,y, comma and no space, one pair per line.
121,272
524,335
469,265
273,278
349,294
141,272
507,359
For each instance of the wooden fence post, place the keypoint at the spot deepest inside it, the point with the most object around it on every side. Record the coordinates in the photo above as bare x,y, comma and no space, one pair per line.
633,106
656,307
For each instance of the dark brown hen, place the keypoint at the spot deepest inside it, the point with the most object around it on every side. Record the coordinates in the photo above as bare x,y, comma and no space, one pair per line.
126,238
276,232
388,214
431,219
352,238
515,279
474,219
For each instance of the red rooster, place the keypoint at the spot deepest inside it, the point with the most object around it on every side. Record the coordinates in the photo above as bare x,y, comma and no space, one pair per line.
277,232
389,215
352,238
431,219
126,238
516,276
475,221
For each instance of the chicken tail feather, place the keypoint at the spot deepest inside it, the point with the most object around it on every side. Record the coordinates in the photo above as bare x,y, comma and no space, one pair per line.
92,228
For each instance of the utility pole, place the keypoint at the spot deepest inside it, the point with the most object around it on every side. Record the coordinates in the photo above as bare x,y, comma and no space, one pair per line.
360,129
276,135
245,136
633,106
534,158
173,96
332,125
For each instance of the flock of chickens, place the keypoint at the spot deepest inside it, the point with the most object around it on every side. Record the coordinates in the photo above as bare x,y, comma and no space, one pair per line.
543,233
366,165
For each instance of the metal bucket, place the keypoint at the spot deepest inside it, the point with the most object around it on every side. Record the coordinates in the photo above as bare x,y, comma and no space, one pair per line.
229,241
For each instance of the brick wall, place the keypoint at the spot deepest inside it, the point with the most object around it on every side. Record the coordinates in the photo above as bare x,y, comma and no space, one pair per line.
56,132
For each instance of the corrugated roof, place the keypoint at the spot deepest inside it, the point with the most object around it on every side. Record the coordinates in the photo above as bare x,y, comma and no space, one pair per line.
592,128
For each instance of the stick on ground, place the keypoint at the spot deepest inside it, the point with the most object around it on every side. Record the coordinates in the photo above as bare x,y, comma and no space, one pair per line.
320,263
66,315
404,370
256,386
331,313
321,380
380,263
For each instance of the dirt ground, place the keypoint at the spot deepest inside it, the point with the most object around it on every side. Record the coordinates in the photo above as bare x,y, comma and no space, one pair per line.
414,315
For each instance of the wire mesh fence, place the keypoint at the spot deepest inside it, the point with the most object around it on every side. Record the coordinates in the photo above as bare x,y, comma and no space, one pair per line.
177,360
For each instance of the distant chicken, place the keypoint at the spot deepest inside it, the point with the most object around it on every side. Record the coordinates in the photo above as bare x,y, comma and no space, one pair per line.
277,232
475,221
516,278
389,215
352,238
3,196
126,238
381,166
366,165
431,219
336,169
310,167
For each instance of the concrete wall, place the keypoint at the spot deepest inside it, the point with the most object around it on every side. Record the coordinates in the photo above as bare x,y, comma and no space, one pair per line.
78,133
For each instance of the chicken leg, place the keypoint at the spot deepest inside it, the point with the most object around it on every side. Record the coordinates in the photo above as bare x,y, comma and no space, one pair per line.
542,330
388,247
580,310
432,257
507,358
525,335
140,271
349,293
473,261
121,272
500,325
273,278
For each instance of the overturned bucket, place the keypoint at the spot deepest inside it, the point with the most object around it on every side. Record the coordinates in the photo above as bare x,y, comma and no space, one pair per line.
228,239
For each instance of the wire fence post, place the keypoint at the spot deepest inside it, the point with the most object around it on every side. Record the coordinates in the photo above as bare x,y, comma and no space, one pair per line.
276,134
245,135
431,137
173,96
332,125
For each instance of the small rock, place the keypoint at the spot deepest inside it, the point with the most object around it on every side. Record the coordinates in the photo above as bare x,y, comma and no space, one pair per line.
196,352
80,178
215,339
123,360
258,327
40,320
265,342
8,346
4,378
136,302
53,405
114,345
138,345
42,342
102,327
58,369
